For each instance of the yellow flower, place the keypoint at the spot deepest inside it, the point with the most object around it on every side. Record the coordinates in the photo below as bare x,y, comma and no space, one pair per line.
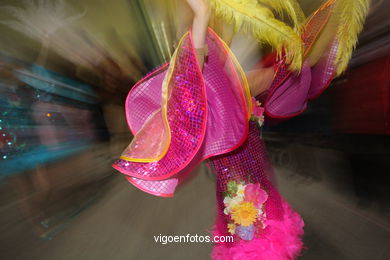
244,214
232,228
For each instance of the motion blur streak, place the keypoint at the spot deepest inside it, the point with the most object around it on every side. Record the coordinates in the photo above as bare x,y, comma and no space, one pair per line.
66,67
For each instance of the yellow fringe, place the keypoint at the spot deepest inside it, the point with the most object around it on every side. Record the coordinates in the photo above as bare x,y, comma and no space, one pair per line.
260,21
351,15
291,8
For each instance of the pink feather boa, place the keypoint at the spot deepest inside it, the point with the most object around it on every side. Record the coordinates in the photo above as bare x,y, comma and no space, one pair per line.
281,240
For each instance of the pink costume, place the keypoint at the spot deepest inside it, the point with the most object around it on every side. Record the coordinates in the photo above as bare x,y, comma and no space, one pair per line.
181,115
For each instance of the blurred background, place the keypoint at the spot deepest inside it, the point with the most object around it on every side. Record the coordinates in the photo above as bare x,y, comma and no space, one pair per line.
65,70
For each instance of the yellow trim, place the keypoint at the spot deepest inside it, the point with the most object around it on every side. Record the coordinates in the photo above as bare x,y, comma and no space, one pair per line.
243,76
164,108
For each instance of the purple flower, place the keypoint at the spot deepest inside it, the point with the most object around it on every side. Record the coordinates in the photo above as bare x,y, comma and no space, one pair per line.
245,233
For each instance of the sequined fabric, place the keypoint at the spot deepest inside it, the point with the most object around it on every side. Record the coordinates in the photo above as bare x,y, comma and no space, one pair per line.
289,92
280,237
146,113
187,119
167,187
249,161
324,71
207,114
227,122
144,98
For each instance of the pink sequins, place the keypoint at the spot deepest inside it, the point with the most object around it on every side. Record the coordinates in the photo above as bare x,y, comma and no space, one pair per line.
249,162
206,113
187,119
289,92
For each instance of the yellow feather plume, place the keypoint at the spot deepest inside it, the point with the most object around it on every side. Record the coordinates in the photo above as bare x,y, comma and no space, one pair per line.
287,7
351,15
251,17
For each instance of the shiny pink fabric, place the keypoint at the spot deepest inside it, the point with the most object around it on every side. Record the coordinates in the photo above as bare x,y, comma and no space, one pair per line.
187,121
206,112
281,238
144,98
290,92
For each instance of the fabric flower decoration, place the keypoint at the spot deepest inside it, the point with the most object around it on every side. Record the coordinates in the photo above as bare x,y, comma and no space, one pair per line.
246,233
232,228
244,204
257,112
255,194
244,214
231,202
232,188
240,190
